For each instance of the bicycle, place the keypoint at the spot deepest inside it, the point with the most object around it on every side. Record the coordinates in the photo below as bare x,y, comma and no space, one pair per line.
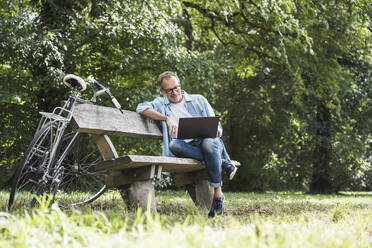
58,158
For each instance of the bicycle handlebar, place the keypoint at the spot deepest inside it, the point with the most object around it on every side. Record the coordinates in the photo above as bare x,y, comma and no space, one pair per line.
103,89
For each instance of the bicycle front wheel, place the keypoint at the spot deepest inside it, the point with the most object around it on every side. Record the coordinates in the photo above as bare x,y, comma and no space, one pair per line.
80,184
32,175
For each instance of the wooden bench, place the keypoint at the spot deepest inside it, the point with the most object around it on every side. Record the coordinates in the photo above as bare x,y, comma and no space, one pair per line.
134,174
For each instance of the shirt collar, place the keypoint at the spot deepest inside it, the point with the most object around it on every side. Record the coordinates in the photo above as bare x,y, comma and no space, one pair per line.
185,95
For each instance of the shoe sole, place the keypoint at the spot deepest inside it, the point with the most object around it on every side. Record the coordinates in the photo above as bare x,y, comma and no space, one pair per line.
232,174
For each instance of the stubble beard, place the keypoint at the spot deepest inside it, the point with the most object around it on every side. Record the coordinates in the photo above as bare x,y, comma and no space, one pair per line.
180,99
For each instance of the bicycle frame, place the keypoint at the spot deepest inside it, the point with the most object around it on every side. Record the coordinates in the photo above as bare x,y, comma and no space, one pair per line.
43,167
61,117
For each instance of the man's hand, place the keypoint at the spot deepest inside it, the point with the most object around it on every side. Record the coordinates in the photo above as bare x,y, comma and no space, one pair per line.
172,127
151,113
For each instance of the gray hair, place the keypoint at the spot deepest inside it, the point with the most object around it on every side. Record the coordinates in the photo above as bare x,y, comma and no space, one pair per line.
166,75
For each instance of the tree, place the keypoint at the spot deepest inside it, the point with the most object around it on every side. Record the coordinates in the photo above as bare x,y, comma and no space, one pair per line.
122,45
288,59
291,78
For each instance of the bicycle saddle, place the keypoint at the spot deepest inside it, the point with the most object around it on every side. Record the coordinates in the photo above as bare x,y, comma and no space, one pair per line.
74,82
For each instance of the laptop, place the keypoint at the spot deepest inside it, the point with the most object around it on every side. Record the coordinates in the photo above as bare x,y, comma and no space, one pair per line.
198,127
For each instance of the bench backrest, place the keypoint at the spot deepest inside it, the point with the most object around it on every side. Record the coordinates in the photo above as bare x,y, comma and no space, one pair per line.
102,120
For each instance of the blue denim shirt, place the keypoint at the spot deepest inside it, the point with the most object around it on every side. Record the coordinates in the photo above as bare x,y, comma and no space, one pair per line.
196,105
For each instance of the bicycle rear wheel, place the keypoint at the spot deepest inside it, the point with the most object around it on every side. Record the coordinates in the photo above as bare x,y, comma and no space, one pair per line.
32,176
80,184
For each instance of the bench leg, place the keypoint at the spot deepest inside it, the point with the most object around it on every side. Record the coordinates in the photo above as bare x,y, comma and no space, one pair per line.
203,194
138,194
123,190
197,186
191,190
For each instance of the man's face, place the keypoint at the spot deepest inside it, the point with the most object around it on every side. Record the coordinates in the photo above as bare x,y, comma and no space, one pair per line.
172,89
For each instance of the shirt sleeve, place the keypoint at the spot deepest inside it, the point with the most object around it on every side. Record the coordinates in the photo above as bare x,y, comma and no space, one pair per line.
146,105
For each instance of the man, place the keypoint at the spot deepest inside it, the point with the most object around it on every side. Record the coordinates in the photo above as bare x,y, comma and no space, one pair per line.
176,104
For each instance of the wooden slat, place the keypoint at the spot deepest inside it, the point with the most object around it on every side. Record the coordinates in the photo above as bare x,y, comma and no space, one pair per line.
96,119
105,147
168,164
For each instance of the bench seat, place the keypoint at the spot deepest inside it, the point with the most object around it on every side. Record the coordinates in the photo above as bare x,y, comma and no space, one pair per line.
168,164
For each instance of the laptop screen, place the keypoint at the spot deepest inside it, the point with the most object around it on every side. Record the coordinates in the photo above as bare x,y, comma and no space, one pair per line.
198,127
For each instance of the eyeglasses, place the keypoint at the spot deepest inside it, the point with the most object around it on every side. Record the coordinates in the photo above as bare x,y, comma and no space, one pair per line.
172,90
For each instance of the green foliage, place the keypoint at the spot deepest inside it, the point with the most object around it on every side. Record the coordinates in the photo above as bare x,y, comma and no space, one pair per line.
291,78
41,41
293,66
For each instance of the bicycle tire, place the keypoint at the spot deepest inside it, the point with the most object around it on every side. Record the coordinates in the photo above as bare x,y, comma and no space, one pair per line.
80,184
31,170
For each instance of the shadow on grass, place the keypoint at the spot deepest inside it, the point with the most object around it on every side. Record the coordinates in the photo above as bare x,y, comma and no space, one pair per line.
367,194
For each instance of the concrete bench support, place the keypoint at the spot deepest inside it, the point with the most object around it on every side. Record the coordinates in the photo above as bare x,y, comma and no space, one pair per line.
142,193
197,186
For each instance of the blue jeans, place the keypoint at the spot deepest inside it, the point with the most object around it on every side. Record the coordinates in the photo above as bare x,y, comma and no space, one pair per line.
211,151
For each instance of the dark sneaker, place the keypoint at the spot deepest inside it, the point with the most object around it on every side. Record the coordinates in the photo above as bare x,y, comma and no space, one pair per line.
217,206
213,207
233,172
229,168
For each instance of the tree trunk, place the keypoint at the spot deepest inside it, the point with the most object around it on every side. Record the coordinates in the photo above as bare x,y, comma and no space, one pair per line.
321,178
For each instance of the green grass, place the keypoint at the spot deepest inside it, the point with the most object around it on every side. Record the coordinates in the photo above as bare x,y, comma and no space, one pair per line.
250,219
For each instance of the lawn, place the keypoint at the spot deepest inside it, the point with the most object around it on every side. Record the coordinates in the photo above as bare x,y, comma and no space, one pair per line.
284,219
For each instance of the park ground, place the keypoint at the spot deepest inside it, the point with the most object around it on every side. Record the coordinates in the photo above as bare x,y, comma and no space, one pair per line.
271,219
